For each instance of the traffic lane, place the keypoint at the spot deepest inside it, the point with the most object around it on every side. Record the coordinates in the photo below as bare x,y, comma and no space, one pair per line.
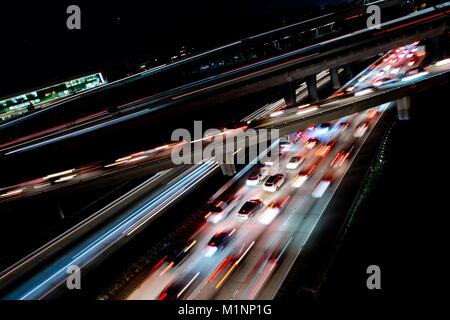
147,286
305,207
307,115
202,237
351,96
251,193
51,277
301,235
298,216
324,43
350,181
35,139
14,192
242,269
61,179
323,78
160,155
270,290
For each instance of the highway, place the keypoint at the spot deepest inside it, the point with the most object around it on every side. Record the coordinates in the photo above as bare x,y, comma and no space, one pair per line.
262,248
353,98
93,109
81,229
256,225
56,180
49,278
117,231
276,70
393,67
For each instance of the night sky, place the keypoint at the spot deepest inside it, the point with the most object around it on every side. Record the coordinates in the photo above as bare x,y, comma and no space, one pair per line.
38,49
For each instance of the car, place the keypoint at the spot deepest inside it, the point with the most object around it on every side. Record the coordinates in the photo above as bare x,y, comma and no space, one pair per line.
342,156
221,208
361,130
344,124
323,128
311,143
177,254
172,291
249,208
295,162
325,149
268,162
257,176
321,187
172,255
285,145
372,113
218,241
274,182
272,210
271,259
179,289
303,175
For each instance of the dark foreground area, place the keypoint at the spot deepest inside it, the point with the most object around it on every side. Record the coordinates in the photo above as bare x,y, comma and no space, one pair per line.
399,225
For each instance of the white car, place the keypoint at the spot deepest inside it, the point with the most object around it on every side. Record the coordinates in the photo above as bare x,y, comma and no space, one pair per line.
274,182
303,175
272,211
257,176
321,187
294,163
285,146
268,162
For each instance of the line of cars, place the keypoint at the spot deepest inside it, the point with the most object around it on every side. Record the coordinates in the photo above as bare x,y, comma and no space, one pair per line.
307,162
220,210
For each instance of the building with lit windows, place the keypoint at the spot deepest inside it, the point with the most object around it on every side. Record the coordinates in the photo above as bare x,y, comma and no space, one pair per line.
40,98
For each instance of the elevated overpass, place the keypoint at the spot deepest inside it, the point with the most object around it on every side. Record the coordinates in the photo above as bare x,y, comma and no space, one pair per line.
291,119
149,88
279,71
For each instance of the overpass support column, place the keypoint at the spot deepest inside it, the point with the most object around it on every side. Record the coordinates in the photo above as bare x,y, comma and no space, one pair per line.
403,108
311,82
335,78
290,98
